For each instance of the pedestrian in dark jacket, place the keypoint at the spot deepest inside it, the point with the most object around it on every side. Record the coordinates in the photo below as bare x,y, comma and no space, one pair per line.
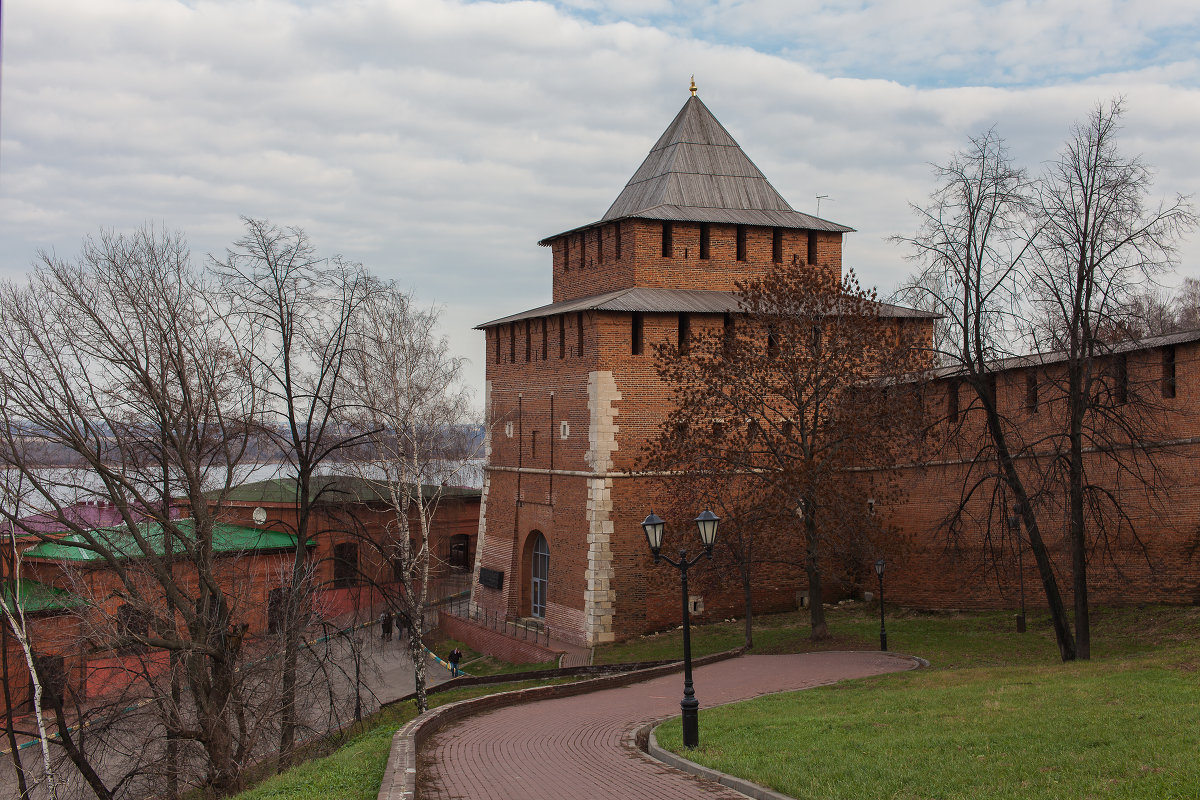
455,657
385,623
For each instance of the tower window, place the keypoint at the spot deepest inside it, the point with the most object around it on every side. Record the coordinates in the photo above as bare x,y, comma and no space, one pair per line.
728,333
952,401
599,245
812,247
512,342
741,242
496,331
668,243
528,340
617,241
1031,391
636,329
704,233
562,336
685,334
1120,379
564,253
579,330
777,245
545,323
772,342
582,251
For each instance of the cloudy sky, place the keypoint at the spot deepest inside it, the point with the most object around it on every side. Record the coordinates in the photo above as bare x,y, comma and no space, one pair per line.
437,140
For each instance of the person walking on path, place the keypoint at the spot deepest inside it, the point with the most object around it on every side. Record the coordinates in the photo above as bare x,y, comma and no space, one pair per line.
455,657
385,622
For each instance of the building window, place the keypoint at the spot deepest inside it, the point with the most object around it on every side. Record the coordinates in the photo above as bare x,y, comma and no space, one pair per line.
564,430
636,331
1168,371
991,389
668,240
582,251
276,610
460,545
685,334
562,336
133,624
772,342
508,429
599,245
533,444
496,331
741,242
812,247
704,234
345,564
512,343
1031,391
952,401
617,241
528,340
545,323
1120,379
727,335
777,245
579,330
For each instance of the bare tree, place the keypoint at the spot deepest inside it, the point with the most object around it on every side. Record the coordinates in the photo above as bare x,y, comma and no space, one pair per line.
121,359
296,313
1099,244
775,398
404,389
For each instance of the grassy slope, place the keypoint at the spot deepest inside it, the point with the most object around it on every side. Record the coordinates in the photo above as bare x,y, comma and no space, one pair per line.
995,716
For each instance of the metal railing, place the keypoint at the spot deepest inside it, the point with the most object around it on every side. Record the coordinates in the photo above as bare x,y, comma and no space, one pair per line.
525,629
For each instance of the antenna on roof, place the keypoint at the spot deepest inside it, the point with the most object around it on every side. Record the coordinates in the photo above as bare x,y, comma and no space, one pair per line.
820,197
693,87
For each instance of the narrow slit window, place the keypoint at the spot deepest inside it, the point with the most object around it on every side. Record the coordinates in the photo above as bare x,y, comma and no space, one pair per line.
533,444
704,234
685,334
952,401
812,247
1168,372
496,331
599,245
991,389
772,342
636,331
727,334
579,331
1120,379
1031,391
777,245
582,251
741,242
617,241
564,253
528,340
545,323
512,343
668,240
562,336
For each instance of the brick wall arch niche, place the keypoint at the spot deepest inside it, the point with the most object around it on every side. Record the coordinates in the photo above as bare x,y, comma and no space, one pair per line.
535,575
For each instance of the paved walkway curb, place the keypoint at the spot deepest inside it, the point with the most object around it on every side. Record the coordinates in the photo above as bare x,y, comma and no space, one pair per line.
644,739
400,775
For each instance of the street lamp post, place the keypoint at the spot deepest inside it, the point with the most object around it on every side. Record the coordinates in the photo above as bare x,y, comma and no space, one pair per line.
1014,524
707,524
879,565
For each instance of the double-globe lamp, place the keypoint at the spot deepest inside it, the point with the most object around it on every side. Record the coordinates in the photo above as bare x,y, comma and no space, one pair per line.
706,523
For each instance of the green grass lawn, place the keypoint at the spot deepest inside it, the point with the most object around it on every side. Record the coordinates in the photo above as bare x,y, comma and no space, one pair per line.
996,716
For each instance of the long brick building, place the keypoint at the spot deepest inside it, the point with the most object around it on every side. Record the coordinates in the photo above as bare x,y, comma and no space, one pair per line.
572,397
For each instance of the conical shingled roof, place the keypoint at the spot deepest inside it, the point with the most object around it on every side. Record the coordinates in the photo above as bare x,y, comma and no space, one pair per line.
697,172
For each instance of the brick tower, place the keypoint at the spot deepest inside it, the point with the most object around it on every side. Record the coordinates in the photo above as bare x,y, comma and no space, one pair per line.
572,395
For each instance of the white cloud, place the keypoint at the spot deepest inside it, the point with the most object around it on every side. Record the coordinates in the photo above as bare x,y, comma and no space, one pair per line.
437,141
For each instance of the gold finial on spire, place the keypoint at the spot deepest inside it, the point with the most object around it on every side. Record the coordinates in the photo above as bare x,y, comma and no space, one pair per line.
693,86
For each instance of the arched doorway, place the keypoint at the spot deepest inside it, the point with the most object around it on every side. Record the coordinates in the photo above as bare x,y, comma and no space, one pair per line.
540,574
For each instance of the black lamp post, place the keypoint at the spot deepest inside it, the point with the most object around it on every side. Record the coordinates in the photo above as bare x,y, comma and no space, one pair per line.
707,523
879,565
1014,524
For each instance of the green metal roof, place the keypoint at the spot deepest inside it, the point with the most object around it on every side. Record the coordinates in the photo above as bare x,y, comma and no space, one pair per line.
34,596
118,539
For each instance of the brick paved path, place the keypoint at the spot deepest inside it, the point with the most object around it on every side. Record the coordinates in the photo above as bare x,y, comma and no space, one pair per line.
573,748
